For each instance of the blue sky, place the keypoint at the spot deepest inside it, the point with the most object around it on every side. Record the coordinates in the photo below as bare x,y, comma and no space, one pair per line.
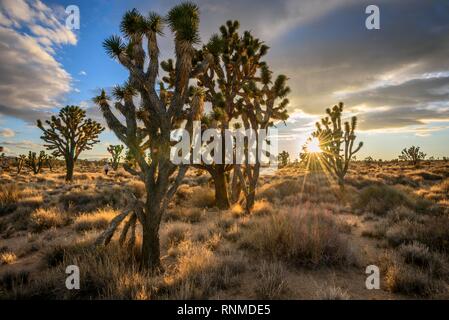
396,79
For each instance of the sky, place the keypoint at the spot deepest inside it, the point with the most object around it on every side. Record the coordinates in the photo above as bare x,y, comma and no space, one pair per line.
395,79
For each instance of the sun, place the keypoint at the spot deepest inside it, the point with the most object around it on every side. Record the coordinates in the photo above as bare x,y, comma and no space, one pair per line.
313,146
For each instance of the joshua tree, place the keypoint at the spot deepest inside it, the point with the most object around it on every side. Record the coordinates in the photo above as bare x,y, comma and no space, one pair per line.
259,106
283,159
159,113
3,160
236,61
130,161
50,161
115,151
232,85
369,159
69,134
19,162
412,154
35,162
337,142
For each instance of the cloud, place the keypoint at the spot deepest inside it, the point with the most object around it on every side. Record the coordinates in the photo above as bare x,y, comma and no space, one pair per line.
82,73
7,133
31,78
24,144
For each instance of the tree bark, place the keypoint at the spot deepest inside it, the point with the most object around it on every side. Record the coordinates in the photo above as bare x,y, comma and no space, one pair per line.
70,164
150,219
150,246
236,187
221,187
252,184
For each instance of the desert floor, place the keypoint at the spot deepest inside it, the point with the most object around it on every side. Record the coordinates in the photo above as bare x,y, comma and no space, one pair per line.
305,239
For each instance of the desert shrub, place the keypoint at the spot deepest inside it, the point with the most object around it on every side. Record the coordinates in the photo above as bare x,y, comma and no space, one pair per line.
183,193
380,199
237,210
18,220
262,207
90,200
9,280
99,219
401,213
378,231
107,272
225,222
176,232
428,175
192,215
9,196
271,283
432,232
443,186
7,257
55,254
202,197
279,190
407,280
137,188
42,219
419,255
302,236
439,191
331,292
199,273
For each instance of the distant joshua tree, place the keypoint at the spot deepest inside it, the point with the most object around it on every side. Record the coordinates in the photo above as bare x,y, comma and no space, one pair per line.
69,134
283,159
35,162
337,142
116,152
369,159
51,162
19,162
412,154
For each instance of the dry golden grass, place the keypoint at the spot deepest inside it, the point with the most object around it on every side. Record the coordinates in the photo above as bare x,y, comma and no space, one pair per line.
301,236
99,219
272,283
9,196
42,219
331,292
7,257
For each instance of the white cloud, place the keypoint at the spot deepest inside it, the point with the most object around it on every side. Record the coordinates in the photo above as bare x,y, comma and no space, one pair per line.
82,73
7,133
31,78
24,144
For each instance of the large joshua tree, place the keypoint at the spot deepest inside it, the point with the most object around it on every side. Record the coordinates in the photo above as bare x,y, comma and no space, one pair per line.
69,134
147,128
235,63
337,142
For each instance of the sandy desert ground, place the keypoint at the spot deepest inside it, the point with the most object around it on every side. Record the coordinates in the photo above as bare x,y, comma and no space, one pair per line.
305,239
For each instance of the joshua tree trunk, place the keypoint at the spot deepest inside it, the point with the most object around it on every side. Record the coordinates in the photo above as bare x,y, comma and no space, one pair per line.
150,239
252,186
70,164
221,187
341,183
236,187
